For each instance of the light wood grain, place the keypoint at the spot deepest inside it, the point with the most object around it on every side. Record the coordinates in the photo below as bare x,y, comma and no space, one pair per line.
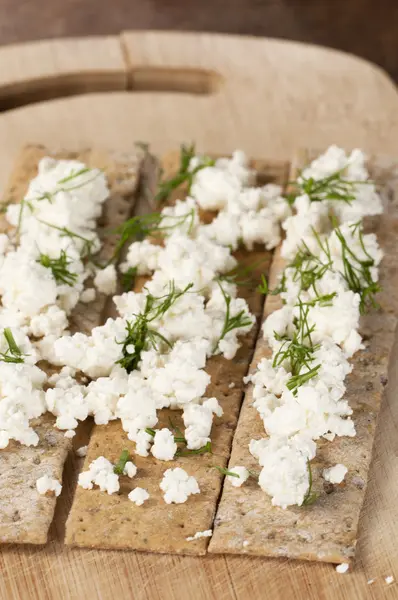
268,97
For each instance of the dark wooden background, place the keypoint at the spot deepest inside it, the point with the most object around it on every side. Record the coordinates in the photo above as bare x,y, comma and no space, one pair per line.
368,28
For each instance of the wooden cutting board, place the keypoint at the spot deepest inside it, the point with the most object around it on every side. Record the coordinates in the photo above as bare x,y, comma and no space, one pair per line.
267,97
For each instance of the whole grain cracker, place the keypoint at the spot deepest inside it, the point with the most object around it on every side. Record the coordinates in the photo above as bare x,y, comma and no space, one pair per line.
25,515
98,520
246,522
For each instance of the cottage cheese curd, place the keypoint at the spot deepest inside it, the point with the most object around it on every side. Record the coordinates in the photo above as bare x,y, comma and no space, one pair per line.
177,486
138,495
101,473
47,484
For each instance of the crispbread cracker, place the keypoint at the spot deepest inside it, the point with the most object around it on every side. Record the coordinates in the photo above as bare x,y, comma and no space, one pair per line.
25,515
246,522
98,520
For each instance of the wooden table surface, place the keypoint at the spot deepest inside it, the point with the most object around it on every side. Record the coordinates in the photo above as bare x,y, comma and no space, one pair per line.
363,27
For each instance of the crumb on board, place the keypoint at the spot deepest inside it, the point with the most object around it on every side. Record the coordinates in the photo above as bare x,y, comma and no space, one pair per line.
343,568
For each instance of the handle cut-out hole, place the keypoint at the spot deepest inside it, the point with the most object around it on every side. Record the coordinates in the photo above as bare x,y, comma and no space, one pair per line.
59,86
188,81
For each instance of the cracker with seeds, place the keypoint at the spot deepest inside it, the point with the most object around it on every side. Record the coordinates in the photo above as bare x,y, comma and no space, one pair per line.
25,515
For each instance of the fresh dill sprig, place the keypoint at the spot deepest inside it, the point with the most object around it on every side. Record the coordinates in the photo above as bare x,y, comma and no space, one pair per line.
231,322
180,439
298,351
59,267
184,174
224,471
263,286
13,353
140,226
357,272
297,380
121,463
332,187
203,450
310,496
128,278
65,232
139,334
49,196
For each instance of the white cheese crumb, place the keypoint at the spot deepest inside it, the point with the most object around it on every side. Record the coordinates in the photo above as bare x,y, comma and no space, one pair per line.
231,385
88,295
70,433
105,280
47,484
246,543
335,474
343,568
370,581
100,473
138,496
82,451
243,475
200,534
130,469
389,579
178,486
164,446
143,442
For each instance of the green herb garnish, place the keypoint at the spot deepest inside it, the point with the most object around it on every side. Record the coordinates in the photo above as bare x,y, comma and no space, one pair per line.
13,353
226,472
180,439
203,450
65,232
128,278
231,322
310,496
263,286
357,272
140,335
299,350
184,174
332,187
121,463
59,267
139,227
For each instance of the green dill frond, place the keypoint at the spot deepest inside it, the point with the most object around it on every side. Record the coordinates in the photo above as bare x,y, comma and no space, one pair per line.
224,471
128,279
357,271
65,232
140,335
139,227
310,496
121,463
13,353
298,351
333,187
184,174
59,268
203,450
231,322
263,286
